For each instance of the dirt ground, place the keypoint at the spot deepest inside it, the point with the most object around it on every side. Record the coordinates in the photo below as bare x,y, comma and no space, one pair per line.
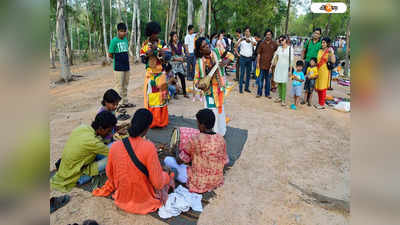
307,147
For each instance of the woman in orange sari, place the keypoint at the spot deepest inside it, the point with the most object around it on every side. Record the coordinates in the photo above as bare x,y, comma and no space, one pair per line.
137,187
155,83
325,54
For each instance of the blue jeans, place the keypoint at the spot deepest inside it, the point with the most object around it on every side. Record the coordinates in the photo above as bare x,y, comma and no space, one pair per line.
245,64
171,90
101,160
191,63
253,66
264,75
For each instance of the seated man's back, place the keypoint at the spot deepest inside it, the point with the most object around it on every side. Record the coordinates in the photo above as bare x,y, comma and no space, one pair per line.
207,151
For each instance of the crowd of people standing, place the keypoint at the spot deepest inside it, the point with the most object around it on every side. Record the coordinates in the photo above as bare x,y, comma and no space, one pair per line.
141,185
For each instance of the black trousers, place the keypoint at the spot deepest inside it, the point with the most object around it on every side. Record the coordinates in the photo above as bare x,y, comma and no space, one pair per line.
183,82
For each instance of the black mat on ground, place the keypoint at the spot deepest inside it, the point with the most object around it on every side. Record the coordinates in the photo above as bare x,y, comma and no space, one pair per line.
235,137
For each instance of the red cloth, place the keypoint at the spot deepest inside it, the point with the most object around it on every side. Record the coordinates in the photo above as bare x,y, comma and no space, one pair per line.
160,116
133,191
321,97
208,156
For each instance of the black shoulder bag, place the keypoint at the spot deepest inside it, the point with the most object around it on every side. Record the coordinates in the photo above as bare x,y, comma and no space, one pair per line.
134,159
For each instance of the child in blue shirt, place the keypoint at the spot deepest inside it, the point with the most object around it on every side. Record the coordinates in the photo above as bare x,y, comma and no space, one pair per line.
298,79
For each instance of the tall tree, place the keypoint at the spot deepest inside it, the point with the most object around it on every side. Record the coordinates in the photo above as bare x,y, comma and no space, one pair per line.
104,31
327,25
190,13
209,18
65,70
111,28
133,33
203,16
149,12
167,20
68,36
88,27
138,45
287,17
172,16
52,58
126,14
119,11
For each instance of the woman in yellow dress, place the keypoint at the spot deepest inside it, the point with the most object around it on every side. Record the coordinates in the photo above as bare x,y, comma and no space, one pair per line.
325,54
155,83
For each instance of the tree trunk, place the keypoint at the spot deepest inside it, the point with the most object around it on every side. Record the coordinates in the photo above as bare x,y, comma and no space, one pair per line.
138,45
133,33
189,13
119,11
104,31
178,24
166,23
327,25
203,16
287,18
209,18
347,59
52,60
65,70
89,30
172,15
149,10
126,15
111,28
69,50
79,39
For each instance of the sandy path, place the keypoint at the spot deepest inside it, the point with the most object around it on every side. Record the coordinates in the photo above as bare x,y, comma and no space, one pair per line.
307,147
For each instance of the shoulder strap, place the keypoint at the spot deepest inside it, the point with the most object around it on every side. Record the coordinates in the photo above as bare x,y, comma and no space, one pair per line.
134,159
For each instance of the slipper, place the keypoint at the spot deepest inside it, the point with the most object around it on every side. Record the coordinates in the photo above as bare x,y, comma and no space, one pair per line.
123,117
121,110
58,202
128,105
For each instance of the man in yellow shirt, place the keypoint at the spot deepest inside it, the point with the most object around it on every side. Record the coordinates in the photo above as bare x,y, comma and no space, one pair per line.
85,154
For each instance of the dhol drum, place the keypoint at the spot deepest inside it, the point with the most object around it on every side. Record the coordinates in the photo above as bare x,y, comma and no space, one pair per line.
180,136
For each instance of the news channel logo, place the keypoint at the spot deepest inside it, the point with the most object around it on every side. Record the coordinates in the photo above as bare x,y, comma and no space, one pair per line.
328,7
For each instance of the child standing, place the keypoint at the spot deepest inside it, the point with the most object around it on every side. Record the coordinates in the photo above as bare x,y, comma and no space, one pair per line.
119,53
171,80
298,79
311,75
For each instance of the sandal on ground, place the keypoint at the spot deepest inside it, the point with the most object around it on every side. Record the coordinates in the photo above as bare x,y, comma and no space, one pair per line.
123,117
283,103
319,107
121,110
58,202
277,100
128,105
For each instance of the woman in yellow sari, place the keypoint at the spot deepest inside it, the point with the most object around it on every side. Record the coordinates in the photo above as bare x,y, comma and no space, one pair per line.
155,83
325,54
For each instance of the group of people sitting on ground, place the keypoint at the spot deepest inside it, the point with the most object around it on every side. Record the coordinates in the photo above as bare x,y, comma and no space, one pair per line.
136,179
